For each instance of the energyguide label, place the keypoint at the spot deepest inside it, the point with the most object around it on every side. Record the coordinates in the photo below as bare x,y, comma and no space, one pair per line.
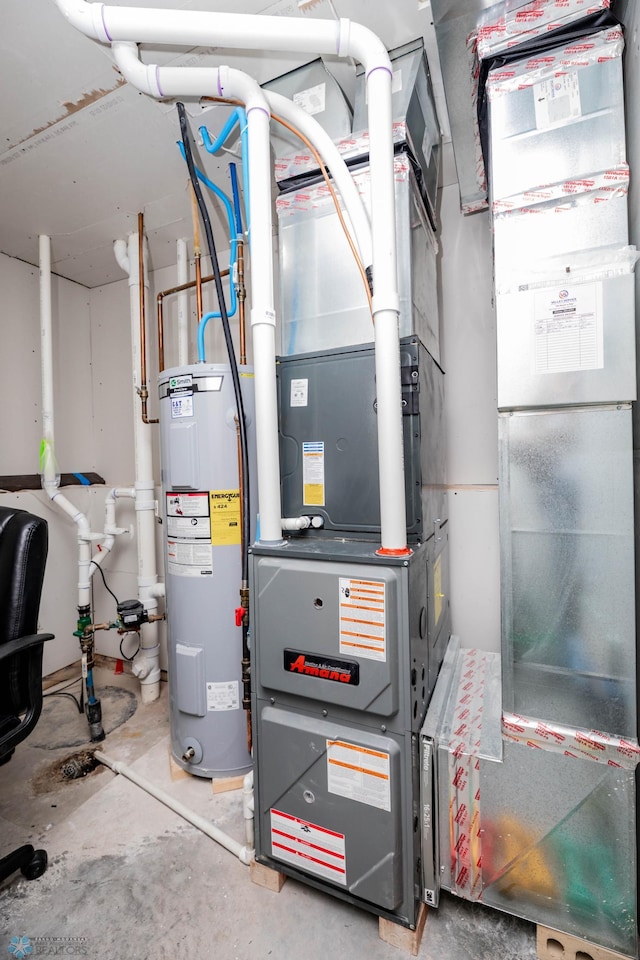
363,618
308,847
358,773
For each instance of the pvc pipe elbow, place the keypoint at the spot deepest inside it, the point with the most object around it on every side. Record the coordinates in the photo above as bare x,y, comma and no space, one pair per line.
141,75
85,17
235,83
363,45
120,253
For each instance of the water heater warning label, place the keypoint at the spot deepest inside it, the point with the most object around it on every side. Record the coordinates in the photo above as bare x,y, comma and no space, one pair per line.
308,847
189,558
313,473
358,773
362,618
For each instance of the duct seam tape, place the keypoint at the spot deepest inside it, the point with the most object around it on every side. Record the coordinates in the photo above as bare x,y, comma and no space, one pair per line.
606,45
558,738
532,20
353,146
602,186
464,771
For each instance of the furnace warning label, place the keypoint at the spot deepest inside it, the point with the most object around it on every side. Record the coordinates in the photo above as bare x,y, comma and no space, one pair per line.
225,517
313,474
308,847
189,558
299,396
557,101
223,696
358,773
567,329
362,618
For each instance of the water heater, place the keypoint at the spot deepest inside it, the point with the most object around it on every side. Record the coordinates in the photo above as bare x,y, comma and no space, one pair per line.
202,505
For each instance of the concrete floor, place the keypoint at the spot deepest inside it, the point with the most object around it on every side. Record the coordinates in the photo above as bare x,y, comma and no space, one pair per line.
132,879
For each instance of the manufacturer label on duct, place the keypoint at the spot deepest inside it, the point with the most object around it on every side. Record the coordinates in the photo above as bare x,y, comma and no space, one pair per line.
324,668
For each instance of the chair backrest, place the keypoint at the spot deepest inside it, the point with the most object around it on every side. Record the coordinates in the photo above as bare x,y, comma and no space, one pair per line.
23,555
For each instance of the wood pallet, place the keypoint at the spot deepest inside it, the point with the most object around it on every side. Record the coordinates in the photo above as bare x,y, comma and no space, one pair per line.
553,945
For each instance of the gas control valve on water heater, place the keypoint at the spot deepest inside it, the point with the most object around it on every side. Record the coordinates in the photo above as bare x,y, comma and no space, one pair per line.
202,517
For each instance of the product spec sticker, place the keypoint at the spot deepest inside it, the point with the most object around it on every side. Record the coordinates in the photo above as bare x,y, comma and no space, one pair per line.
223,696
313,473
358,773
299,393
362,618
181,406
308,847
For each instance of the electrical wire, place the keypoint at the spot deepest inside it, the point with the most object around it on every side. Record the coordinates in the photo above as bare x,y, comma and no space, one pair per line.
104,581
123,654
323,170
235,376
63,693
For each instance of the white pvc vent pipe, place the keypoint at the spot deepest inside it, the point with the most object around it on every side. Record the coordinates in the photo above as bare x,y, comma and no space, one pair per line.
346,39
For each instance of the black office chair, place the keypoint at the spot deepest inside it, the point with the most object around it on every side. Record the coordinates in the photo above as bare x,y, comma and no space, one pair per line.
23,555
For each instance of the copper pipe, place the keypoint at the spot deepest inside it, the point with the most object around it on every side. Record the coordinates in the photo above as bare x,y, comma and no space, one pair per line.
242,296
160,299
142,390
199,307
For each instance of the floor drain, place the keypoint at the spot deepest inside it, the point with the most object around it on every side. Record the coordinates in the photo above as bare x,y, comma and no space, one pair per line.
77,765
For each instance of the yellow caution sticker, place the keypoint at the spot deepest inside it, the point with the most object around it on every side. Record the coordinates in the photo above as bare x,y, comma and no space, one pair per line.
225,517
313,473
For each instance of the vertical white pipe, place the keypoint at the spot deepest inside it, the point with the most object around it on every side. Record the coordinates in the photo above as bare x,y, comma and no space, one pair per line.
386,305
147,663
183,303
49,477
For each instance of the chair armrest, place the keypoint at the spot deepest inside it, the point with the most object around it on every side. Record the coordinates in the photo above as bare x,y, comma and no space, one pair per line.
20,644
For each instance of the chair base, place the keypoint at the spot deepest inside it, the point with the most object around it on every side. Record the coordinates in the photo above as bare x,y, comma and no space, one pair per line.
30,862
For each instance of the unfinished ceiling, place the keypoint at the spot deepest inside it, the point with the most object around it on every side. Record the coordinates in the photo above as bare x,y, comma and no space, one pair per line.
83,152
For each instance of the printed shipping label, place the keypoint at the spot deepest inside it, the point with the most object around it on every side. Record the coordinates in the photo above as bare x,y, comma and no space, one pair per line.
225,517
313,99
223,696
313,474
557,101
189,558
187,504
362,618
568,330
358,773
308,847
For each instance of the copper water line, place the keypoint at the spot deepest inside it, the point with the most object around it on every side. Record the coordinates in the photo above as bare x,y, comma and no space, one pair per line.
142,390
242,296
160,299
199,306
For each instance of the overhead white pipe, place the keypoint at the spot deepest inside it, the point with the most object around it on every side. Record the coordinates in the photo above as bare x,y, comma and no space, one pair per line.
182,258
146,665
242,852
346,39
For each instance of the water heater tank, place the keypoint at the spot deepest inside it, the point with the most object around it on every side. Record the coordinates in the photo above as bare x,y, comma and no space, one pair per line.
202,526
